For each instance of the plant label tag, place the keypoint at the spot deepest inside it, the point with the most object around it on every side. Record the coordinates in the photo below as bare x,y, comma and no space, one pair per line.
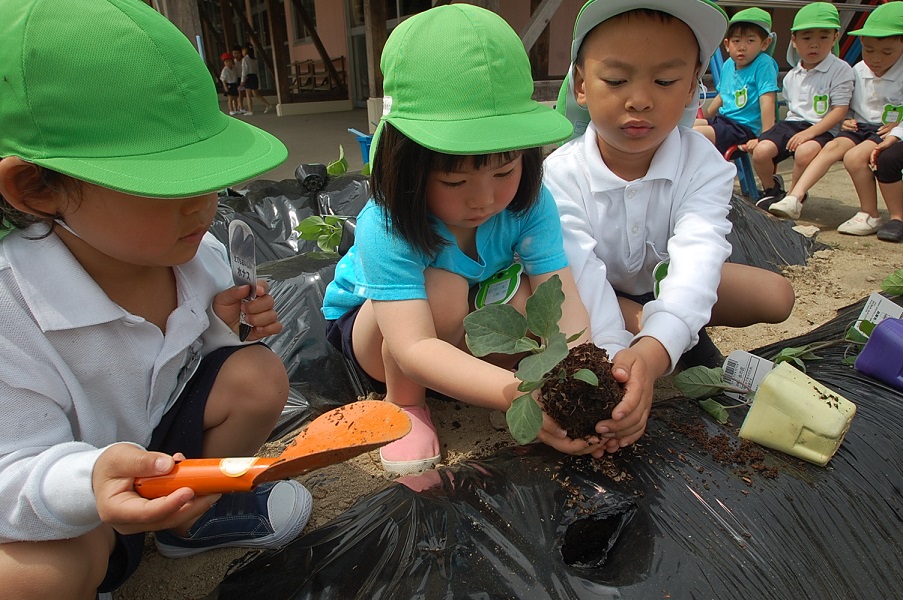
244,266
876,309
745,370
499,288
658,275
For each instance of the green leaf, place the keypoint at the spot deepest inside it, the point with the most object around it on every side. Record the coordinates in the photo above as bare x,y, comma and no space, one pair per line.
576,336
339,166
536,366
714,408
544,308
524,419
529,386
856,336
893,284
700,382
496,328
311,227
366,170
587,376
849,360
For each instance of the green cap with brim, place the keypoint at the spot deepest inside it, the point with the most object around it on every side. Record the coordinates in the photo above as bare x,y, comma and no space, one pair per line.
110,92
885,21
707,21
458,81
816,15
754,15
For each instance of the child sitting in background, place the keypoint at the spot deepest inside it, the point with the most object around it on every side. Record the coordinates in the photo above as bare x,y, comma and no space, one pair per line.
457,198
817,91
639,196
120,317
747,93
887,160
874,110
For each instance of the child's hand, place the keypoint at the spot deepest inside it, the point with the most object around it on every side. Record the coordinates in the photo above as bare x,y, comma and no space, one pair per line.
553,435
798,140
885,128
259,312
120,506
887,143
637,367
849,125
750,145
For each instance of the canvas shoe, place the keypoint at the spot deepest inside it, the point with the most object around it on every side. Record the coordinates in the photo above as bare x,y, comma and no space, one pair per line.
892,231
268,108
248,113
269,516
418,450
232,113
790,207
860,224
773,194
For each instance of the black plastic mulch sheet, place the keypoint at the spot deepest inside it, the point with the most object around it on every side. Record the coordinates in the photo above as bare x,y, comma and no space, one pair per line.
759,239
661,519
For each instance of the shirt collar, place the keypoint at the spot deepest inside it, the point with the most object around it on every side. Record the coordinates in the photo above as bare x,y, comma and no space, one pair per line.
64,296
602,179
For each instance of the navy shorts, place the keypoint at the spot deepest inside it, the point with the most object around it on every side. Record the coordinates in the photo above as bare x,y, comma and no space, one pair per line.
889,164
338,333
232,89
729,132
180,430
866,132
251,82
781,133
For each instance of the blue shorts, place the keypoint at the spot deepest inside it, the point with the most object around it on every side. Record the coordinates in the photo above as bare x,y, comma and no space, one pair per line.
781,133
729,132
180,430
866,132
338,333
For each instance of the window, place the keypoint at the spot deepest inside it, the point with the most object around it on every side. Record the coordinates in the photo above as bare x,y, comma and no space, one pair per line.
301,32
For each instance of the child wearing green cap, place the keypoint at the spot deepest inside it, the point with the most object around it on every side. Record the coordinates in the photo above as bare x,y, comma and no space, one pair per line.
119,311
817,90
457,198
640,196
747,91
875,109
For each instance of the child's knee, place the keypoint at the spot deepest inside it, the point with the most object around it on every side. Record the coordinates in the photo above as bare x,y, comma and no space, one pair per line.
71,568
783,297
257,375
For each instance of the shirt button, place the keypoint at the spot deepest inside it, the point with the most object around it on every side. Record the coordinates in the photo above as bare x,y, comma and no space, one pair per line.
635,229
631,194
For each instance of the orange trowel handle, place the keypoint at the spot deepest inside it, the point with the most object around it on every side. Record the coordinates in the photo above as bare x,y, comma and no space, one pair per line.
205,476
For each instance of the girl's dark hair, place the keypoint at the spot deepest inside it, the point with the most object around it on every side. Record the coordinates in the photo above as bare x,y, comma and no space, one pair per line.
46,180
399,179
250,50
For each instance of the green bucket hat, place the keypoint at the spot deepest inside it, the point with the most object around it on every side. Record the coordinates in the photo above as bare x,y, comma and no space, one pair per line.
458,81
706,20
816,15
754,15
884,21
110,92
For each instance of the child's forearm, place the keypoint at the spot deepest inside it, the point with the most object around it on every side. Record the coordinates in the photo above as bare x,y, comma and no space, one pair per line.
767,104
831,120
714,106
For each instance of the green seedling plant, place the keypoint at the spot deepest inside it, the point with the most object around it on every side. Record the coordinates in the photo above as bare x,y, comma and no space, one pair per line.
501,329
326,231
702,383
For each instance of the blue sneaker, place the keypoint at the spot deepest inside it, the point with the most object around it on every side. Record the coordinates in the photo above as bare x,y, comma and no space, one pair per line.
270,516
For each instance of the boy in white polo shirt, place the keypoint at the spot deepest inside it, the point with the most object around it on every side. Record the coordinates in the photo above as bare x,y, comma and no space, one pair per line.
874,110
636,191
817,91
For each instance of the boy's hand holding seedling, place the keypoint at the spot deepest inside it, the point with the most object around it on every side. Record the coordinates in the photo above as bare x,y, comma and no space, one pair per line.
260,312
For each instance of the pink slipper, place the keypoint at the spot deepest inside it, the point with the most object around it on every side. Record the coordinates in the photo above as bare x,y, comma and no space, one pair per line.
417,451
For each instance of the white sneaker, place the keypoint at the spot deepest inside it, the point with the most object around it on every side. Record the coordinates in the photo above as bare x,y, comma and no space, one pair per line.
267,109
860,224
232,113
249,113
789,207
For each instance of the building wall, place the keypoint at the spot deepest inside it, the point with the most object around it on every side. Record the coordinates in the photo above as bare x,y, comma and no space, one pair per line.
330,28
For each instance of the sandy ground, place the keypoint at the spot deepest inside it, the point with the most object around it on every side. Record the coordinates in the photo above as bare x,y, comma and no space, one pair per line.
848,271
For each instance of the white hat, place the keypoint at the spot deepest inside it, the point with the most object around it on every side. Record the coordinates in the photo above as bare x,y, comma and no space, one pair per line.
707,21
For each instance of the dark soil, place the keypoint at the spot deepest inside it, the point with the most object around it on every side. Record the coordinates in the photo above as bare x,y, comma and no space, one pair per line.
577,406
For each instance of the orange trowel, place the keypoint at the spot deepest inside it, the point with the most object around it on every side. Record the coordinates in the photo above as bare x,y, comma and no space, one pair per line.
331,438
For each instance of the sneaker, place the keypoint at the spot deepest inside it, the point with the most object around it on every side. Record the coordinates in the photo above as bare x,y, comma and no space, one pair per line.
892,231
269,516
861,224
418,450
773,194
249,113
268,108
704,354
232,113
790,207
242,111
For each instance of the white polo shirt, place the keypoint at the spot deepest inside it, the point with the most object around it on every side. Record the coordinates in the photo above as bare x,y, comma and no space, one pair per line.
871,94
617,231
810,94
79,373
